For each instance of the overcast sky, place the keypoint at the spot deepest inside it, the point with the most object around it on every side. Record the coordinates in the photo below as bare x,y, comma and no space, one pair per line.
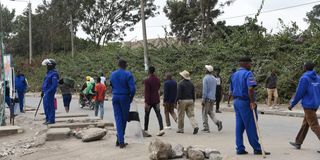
239,7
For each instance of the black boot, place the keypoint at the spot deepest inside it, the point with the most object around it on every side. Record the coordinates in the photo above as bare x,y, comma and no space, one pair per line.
295,145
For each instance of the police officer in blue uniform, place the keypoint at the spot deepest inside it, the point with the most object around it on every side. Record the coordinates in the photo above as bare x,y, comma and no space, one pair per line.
242,88
21,87
49,88
123,91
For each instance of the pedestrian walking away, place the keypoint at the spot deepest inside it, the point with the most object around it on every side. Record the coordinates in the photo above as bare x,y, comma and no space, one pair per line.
152,100
21,88
218,89
308,91
271,85
169,100
186,100
242,87
66,86
123,91
100,90
49,88
208,97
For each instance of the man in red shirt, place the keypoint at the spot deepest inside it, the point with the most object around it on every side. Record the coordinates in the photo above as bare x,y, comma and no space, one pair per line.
152,100
100,90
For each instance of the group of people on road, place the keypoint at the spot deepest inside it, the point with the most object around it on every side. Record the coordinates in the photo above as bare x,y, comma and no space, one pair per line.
182,96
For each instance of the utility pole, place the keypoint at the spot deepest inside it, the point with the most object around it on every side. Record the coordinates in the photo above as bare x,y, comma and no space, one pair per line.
30,33
72,36
145,40
202,21
2,94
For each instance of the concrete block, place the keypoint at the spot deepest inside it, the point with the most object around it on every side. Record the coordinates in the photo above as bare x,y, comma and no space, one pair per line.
68,115
100,124
58,133
9,130
77,119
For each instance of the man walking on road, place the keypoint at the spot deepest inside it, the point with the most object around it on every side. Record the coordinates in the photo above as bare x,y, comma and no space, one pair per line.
218,89
271,85
21,87
169,100
49,88
123,91
100,90
208,98
308,91
242,87
186,100
152,100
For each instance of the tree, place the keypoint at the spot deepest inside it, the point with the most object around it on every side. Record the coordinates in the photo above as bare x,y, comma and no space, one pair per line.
7,18
107,20
193,18
313,19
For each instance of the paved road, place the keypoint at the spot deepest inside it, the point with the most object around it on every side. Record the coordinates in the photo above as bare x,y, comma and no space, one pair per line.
277,132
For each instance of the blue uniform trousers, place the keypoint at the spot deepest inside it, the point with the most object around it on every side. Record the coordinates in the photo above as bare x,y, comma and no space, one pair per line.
121,107
21,99
48,105
245,121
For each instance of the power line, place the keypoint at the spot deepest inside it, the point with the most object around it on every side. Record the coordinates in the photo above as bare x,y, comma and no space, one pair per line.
272,10
245,15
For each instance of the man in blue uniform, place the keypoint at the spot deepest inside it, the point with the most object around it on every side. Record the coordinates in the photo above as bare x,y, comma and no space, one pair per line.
21,87
242,87
123,91
49,88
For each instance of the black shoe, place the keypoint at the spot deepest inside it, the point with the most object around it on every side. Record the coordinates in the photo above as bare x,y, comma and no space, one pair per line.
260,153
123,145
219,124
50,122
45,123
295,145
318,151
206,130
180,132
22,112
218,111
118,144
242,153
195,131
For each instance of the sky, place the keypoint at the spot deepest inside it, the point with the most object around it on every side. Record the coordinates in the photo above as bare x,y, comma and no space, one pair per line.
239,7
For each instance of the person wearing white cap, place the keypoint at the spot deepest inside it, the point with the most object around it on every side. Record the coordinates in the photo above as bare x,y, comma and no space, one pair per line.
186,99
208,99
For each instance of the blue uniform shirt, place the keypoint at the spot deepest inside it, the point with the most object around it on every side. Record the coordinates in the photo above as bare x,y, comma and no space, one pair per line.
50,82
122,83
20,83
240,83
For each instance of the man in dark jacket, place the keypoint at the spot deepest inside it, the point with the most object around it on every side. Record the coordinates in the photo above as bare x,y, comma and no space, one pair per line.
169,100
21,87
186,99
152,100
308,92
271,85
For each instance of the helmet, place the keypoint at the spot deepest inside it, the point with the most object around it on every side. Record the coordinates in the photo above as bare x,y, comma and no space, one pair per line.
49,62
88,78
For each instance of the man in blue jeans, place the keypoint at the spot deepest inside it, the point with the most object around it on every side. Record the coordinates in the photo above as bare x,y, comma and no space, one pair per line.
123,91
242,87
49,89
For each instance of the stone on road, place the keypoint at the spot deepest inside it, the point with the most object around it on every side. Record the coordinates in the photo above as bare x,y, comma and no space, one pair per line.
159,150
93,134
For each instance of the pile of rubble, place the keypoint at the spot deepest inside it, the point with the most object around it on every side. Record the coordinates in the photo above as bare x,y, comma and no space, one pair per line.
160,150
22,147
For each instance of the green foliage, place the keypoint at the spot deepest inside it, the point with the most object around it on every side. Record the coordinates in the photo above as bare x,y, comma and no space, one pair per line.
107,20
